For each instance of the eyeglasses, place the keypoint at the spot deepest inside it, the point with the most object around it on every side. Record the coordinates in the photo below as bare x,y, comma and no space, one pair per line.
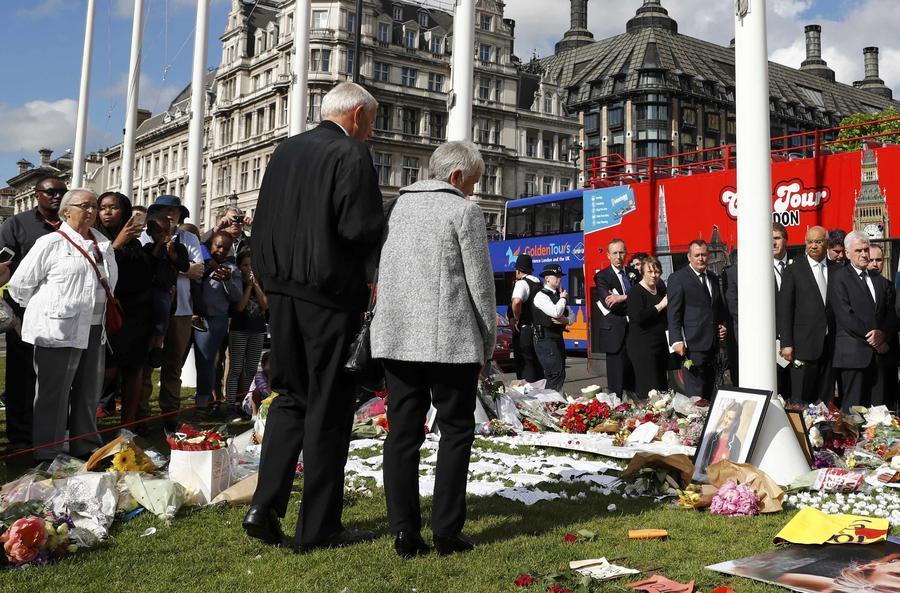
53,191
86,207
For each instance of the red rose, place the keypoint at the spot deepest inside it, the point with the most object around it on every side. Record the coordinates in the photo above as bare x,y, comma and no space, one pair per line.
557,588
570,538
524,580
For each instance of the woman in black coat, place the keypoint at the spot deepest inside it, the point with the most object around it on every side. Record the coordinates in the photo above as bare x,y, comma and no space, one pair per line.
646,340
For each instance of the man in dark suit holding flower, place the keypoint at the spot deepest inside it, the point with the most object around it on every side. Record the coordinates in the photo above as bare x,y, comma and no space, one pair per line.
613,284
695,320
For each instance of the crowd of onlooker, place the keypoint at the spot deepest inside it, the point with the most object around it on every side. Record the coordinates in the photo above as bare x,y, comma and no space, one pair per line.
107,292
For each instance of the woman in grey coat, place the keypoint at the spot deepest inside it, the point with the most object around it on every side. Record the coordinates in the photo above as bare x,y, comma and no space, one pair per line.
434,328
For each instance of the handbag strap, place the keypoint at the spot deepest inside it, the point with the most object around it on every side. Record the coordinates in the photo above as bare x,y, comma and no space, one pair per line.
90,259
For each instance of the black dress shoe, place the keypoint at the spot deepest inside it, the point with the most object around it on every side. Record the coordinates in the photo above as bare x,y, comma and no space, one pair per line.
263,524
409,544
341,539
452,544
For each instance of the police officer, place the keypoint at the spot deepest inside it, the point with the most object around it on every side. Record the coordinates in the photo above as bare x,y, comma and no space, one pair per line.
550,317
526,288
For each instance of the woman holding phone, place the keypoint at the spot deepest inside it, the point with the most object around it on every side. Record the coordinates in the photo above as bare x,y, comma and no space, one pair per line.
128,349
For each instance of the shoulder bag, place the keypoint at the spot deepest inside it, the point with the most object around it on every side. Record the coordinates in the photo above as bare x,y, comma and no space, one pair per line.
115,317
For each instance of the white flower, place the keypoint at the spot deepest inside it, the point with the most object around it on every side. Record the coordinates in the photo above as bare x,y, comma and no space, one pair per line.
877,415
815,437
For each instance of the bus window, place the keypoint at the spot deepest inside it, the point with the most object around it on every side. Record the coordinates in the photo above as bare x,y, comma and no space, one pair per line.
572,216
503,287
546,218
519,223
576,285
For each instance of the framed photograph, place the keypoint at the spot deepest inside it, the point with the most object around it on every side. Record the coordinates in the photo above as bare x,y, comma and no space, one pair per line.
795,417
732,425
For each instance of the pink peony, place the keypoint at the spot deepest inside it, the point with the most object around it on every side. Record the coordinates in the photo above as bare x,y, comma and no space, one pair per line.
24,539
735,500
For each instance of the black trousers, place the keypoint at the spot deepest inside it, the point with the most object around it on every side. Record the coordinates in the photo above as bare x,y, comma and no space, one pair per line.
528,366
784,382
700,379
313,413
619,372
871,386
411,387
552,354
20,381
814,381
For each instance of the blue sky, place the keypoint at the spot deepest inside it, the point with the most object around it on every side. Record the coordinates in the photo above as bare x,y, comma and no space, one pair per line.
43,40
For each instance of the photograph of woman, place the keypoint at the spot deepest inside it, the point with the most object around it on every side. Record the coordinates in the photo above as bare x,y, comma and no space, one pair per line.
731,425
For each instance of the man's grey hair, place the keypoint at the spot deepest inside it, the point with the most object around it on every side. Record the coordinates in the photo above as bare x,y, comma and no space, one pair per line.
346,97
70,195
855,236
459,156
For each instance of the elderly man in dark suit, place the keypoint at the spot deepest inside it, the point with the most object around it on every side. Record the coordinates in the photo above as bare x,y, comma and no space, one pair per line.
319,218
695,319
806,322
865,322
613,284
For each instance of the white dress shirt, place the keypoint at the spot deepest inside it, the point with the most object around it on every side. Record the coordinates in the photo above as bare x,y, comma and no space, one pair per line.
820,267
868,280
779,269
521,290
542,301
708,283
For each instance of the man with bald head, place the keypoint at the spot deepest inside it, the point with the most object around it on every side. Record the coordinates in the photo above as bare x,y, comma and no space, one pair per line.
806,322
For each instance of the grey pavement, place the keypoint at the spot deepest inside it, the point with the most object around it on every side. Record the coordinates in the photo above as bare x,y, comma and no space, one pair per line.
580,373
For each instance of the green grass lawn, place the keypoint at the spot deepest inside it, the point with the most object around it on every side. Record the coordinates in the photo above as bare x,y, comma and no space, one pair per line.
206,550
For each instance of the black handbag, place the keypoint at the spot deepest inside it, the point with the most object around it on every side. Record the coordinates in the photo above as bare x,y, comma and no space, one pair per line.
359,363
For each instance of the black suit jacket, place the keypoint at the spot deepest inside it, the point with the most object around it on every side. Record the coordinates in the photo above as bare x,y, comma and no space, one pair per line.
855,315
802,316
612,327
692,312
319,217
730,290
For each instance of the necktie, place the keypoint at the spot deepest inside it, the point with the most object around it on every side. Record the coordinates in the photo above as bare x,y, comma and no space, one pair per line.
705,283
862,276
626,285
781,267
820,279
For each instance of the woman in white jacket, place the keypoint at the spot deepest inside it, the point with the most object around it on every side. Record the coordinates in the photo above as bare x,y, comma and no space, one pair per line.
64,320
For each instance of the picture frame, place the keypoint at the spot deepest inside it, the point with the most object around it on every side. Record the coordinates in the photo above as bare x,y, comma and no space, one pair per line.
736,414
801,431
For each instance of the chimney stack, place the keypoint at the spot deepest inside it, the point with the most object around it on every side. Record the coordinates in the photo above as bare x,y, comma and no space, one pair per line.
23,166
578,19
578,34
814,64
872,82
45,156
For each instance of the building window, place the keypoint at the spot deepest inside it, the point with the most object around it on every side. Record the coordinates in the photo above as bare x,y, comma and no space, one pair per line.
320,60
410,170
411,39
530,184
651,79
320,19
410,120
398,13
565,184
156,158
260,121
548,147
384,33
350,22
489,180
548,185
382,161
653,112
284,111
437,45
226,187
382,72
484,88
615,116
244,176
484,130
315,108
485,22
531,147
165,162
484,52
713,121
435,82
248,125
423,20
348,63
271,122
408,76
591,122
383,119
438,126
548,103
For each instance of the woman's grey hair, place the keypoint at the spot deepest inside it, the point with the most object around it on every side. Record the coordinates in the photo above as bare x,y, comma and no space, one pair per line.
854,236
70,195
346,97
459,156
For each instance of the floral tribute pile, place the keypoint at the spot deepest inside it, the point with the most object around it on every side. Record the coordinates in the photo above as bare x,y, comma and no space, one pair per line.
31,536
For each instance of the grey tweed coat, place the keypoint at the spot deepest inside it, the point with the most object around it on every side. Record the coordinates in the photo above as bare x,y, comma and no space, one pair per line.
435,285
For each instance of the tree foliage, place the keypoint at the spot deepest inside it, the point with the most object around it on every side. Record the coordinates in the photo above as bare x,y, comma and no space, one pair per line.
869,128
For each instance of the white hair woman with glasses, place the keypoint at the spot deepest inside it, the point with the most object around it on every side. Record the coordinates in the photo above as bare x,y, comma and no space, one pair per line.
434,328
61,284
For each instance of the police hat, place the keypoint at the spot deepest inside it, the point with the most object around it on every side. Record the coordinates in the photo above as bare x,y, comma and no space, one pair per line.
552,270
524,264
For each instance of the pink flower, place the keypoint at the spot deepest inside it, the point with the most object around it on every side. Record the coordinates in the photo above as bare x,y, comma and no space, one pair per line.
24,539
735,500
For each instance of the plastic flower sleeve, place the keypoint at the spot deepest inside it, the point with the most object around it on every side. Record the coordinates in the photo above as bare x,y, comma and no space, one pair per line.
90,499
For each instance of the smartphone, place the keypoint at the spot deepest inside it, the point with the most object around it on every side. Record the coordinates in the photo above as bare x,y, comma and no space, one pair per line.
6,254
139,218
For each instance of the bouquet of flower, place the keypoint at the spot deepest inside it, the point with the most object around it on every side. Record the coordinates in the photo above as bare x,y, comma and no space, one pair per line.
579,417
131,458
35,539
189,438
735,500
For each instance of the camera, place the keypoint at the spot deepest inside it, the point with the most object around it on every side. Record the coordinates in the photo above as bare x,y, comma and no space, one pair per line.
238,219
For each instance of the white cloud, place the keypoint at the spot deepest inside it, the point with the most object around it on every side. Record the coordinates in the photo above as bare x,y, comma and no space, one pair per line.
154,94
38,124
861,23
47,8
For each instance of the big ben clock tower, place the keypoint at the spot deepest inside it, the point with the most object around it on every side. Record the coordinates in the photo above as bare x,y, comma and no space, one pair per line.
870,214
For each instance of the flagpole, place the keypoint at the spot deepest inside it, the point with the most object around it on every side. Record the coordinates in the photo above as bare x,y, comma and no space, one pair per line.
134,75
300,68
198,105
81,121
460,121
